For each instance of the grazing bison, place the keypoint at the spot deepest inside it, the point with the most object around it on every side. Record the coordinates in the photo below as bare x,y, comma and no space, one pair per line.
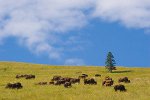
25,76
124,79
90,81
119,87
21,76
42,83
82,77
51,83
56,78
85,75
66,79
59,82
97,75
14,85
108,81
75,80
30,77
67,84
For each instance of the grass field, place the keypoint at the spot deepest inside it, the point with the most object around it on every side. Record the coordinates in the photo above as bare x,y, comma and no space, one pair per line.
138,89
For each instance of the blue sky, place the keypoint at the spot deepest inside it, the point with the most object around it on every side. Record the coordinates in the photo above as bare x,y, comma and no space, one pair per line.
75,33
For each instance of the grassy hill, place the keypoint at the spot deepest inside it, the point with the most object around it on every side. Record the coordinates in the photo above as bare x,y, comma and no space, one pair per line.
138,89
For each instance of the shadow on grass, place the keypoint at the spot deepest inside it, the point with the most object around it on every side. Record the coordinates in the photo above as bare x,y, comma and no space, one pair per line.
124,71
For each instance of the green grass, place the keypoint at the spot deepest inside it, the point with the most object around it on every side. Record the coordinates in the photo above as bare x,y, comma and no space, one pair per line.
138,89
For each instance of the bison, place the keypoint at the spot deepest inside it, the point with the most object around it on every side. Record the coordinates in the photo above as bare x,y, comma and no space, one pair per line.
85,75
14,85
21,76
124,79
97,75
51,83
59,82
108,81
56,78
90,81
75,80
42,83
66,79
30,77
119,87
25,76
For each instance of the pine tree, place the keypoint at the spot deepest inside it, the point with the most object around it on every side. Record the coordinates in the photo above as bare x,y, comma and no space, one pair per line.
110,62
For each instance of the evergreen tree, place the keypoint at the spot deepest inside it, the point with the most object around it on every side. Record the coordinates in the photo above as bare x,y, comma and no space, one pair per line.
110,62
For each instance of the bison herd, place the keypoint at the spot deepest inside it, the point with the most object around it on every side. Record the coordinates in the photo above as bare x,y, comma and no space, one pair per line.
67,82
25,76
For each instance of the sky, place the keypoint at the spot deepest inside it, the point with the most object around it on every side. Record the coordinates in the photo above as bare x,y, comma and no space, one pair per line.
75,32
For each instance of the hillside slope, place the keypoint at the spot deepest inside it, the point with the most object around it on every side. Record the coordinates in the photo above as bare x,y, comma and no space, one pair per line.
138,89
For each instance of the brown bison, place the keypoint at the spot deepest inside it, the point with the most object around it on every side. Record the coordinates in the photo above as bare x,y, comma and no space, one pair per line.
30,77
56,78
51,83
85,75
97,75
124,79
75,80
108,81
21,76
82,77
25,76
90,81
66,79
42,83
119,87
14,85
59,82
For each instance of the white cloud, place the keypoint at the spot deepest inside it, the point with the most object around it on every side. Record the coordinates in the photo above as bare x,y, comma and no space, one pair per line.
74,61
131,13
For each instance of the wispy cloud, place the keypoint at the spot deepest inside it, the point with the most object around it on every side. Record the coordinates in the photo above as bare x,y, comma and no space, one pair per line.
131,13
75,62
